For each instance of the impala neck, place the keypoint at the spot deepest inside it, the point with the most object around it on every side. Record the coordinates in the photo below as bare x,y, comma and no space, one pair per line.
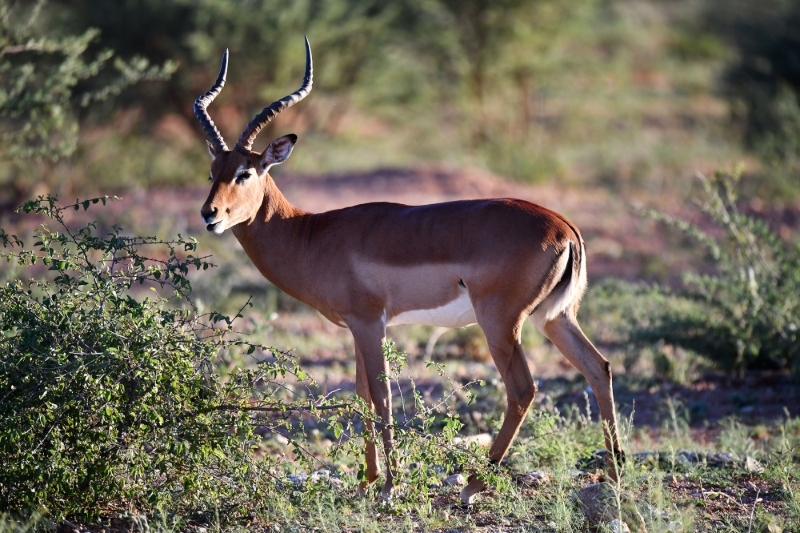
269,240
274,206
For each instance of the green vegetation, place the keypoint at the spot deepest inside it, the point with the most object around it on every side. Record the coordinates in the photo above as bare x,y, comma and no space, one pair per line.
747,314
763,81
115,401
740,312
107,398
46,79
134,410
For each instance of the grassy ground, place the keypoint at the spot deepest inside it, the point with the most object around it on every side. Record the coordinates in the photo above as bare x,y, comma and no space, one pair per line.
730,477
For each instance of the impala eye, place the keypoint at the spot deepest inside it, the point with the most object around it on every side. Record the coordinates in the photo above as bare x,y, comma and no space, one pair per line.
241,177
210,177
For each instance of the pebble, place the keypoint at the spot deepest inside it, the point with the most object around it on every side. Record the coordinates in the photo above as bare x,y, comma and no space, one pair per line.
533,479
752,465
618,526
599,501
481,439
455,479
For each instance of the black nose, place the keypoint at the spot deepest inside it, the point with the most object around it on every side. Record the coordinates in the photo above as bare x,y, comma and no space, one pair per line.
212,214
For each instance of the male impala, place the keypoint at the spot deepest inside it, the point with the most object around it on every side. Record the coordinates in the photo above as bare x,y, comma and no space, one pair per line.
366,267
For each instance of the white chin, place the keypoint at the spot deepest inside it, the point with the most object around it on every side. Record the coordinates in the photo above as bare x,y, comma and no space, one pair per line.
217,228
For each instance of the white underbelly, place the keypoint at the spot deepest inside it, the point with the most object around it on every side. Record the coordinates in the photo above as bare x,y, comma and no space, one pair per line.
454,314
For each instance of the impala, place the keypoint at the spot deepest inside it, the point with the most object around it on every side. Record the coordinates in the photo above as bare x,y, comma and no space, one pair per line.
366,267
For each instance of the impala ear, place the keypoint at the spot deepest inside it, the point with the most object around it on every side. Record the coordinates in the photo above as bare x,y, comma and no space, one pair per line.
211,150
278,151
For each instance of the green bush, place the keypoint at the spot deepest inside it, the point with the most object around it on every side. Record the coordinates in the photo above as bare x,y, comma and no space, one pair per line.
45,79
744,315
107,398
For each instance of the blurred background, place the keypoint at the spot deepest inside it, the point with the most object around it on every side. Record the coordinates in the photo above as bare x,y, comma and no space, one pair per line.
632,97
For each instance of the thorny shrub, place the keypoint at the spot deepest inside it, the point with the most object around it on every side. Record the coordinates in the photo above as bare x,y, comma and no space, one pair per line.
110,399
747,313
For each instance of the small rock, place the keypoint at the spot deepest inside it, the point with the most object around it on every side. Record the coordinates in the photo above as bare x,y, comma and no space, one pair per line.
687,457
597,461
675,526
280,439
534,479
644,457
618,526
201,529
720,459
752,465
320,473
455,479
481,439
599,502
297,479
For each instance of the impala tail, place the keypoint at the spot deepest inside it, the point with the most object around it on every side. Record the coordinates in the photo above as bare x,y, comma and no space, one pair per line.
565,297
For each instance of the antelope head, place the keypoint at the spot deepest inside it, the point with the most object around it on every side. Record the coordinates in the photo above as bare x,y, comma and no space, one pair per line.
240,176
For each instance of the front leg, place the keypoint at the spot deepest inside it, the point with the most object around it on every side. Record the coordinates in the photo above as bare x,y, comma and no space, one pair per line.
369,336
362,389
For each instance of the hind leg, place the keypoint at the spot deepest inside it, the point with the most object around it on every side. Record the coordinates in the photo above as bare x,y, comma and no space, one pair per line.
566,334
503,337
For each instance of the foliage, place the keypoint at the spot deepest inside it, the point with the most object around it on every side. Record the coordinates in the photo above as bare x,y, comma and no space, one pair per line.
45,79
264,38
529,90
112,399
747,313
763,34
763,78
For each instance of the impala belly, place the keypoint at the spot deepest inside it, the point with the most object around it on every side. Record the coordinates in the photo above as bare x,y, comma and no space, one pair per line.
431,294
454,314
